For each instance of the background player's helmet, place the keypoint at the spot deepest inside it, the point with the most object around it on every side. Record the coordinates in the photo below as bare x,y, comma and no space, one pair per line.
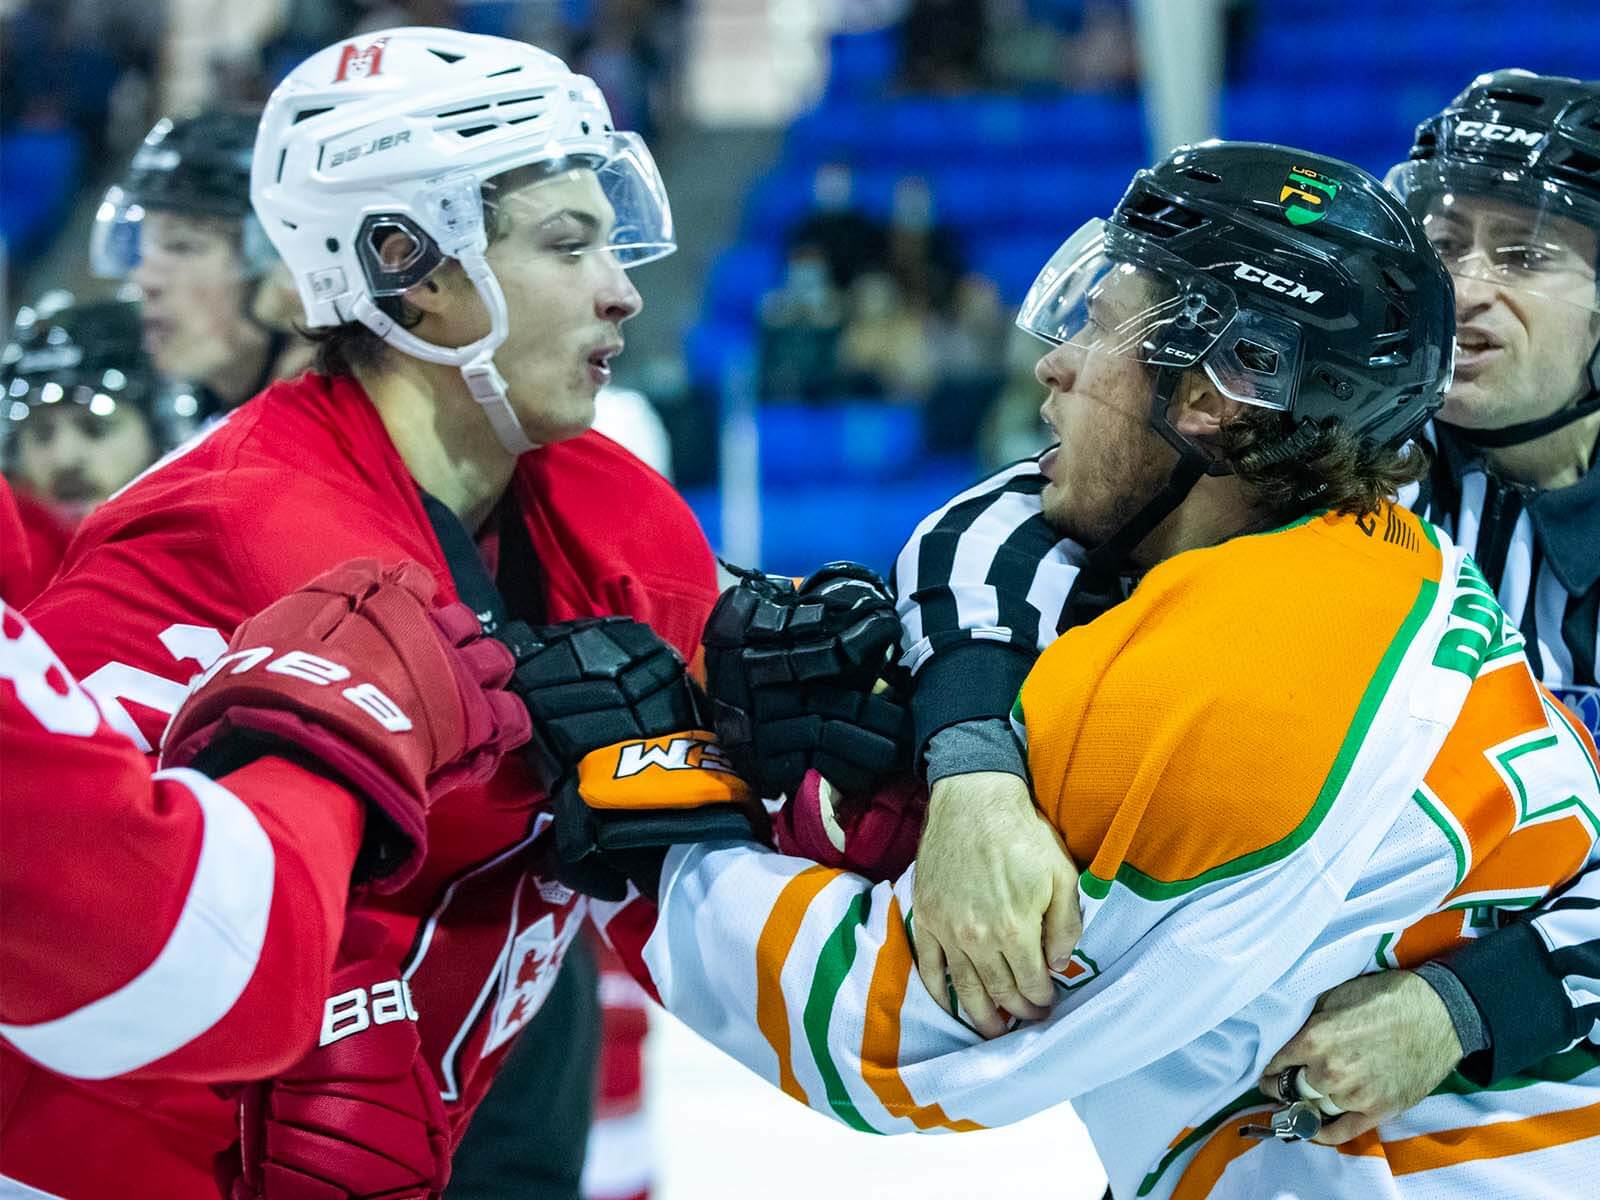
61,352
197,166
1533,142
1295,282
399,131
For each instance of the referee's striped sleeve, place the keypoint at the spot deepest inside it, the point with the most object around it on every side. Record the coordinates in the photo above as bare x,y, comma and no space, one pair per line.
1569,926
980,585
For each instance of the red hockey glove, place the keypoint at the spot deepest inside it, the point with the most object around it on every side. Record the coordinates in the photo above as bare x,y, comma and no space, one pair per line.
356,672
359,1117
875,836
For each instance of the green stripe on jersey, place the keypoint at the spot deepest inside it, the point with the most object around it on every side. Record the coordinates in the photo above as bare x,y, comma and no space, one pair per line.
1149,888
833,966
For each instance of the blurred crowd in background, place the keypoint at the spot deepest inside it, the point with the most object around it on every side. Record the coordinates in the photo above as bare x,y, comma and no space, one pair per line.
848,274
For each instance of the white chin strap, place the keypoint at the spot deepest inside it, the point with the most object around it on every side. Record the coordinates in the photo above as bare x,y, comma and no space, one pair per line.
475,361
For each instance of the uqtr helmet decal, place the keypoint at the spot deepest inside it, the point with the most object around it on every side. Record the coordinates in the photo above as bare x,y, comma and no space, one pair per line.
1306,194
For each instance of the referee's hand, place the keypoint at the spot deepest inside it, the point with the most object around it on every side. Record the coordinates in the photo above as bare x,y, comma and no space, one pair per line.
995,900
1374,1046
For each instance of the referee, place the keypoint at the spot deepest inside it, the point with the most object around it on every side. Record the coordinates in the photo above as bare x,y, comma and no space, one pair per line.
1507,181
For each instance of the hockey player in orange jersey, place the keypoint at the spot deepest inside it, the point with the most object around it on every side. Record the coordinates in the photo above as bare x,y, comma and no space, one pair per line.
1308,746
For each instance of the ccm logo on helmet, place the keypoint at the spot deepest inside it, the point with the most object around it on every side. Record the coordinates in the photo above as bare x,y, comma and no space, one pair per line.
387,142
1276,283
1490,132
297,664
350,1012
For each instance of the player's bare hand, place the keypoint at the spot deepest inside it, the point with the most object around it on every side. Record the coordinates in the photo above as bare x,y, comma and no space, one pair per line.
995,900
1375,1046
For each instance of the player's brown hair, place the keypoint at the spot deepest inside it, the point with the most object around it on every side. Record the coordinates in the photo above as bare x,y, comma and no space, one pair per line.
1337,470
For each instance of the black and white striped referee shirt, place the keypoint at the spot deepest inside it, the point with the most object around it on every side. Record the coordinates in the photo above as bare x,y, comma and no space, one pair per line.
983,586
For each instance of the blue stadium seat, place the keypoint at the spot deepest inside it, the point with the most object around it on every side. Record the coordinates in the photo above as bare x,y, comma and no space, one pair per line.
39,170
850,442
712,346
804,526
742,274
860,64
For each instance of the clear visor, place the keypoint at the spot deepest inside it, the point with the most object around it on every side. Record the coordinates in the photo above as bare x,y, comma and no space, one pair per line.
114,241
641,226
1506,228
1109,291
125,234
568,204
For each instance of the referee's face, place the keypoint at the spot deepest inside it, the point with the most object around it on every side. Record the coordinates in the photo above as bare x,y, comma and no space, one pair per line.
1109,462
1525,310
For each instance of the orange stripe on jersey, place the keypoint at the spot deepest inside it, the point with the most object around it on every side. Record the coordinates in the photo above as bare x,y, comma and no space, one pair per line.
880,1035
1497,1139
1212,1159
1199,722
772,951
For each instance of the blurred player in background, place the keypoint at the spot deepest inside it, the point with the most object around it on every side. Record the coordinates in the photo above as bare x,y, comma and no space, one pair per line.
219,311
83,414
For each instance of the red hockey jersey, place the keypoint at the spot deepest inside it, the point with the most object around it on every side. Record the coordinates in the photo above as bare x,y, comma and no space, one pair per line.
30,553
298,480
201,909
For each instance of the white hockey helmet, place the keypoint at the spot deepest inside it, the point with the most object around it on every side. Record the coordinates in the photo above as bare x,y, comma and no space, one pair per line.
399,131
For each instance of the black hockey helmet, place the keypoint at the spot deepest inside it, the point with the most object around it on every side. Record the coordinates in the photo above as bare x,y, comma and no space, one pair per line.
1532,141
198,166
1296,282
61,352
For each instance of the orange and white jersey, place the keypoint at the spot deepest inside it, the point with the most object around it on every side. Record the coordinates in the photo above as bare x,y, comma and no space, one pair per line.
1283,762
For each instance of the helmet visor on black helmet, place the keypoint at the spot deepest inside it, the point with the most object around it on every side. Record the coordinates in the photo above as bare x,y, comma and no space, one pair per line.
1506,227
126,232
1111,291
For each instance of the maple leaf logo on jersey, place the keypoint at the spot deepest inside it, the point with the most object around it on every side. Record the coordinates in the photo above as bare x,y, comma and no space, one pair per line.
358,62
530,972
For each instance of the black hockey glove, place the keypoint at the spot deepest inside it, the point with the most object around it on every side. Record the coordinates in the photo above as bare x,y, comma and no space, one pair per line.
796,679
623,749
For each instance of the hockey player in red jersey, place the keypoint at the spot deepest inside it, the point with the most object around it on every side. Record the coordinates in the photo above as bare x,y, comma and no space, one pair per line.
458,214
240,870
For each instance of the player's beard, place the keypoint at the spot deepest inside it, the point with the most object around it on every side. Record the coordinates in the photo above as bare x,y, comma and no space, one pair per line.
1130,471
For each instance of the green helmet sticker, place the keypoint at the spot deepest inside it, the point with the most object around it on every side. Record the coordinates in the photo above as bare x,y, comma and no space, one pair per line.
1306,195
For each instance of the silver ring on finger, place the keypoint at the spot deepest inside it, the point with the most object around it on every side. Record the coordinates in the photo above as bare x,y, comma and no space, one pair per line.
1287,1084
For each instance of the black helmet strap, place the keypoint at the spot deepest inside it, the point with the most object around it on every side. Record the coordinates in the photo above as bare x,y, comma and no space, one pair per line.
1099,584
